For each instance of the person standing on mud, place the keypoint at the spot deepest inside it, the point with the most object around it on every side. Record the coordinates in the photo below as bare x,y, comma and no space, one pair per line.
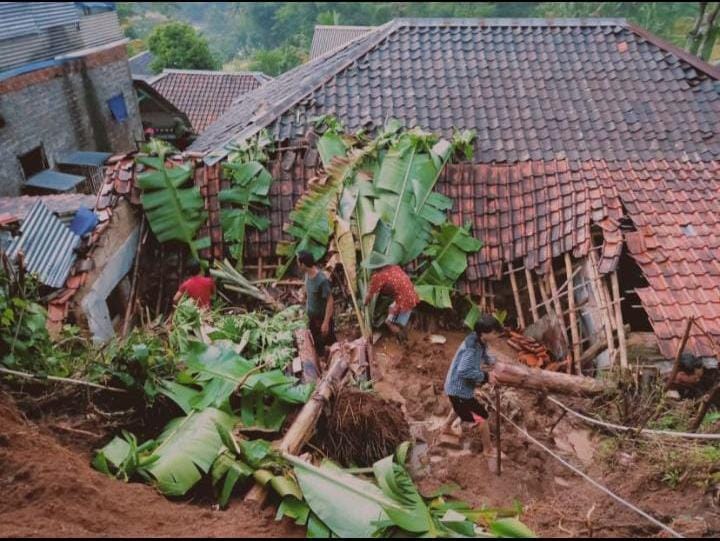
319,303
471,368
392,281
198,287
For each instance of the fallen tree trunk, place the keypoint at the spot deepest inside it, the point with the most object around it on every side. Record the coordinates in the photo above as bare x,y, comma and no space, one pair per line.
304,425
517,375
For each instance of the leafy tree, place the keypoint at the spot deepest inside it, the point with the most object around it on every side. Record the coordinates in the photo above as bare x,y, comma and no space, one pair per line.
279,60
178,45
705,31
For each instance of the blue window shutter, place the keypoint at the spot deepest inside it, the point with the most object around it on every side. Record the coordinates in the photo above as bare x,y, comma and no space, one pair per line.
118,107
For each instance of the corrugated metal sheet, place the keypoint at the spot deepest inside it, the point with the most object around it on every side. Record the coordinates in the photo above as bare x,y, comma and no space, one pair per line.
329,38
47,244
47,42
23,18
100,29
83,157
53,181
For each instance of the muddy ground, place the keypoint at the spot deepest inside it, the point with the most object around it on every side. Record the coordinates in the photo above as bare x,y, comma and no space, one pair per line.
49,489
557,503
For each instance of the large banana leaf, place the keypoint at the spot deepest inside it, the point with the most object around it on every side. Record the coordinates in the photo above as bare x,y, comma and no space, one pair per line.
188,447
174,212
348,505
250,187
448,253
228,469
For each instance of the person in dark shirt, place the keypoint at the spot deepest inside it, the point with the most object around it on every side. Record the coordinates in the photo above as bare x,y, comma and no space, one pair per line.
198,287
470,368
319,303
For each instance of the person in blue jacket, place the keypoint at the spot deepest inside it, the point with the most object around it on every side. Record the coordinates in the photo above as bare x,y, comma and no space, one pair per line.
471,368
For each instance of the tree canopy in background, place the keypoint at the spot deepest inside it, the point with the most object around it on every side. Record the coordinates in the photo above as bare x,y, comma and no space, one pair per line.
275,36
178,45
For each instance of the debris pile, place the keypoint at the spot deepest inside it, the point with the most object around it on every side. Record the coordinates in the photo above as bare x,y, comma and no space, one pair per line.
534,354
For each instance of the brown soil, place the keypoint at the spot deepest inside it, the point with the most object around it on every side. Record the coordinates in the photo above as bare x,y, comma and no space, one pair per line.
557,503
50,490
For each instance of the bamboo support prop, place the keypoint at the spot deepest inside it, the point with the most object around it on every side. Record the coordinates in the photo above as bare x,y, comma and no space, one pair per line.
531,293
497,431
574,331
619,325
516,296
543,293
709,399
604,314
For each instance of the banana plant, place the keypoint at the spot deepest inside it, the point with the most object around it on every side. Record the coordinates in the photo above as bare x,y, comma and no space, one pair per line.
249,191
447,256
174,210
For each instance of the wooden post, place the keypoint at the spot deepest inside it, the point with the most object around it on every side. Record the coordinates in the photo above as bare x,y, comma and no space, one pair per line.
531,293
497,430
678,354
544,295
709,399
133,287
574,331
260,268
619,325
302,428
512,374
516,296
603,302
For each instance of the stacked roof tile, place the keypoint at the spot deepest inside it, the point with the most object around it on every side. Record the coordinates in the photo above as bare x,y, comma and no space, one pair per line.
205,95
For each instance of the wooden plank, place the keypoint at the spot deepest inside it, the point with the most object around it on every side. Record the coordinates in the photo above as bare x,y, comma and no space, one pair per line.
602,301
531,293
574,331
516,296
619,325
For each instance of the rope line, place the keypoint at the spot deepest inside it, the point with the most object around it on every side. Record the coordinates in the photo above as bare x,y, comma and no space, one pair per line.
590,479
645,431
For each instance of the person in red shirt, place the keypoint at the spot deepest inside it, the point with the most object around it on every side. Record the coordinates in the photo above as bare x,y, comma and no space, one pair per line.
391,280
198,287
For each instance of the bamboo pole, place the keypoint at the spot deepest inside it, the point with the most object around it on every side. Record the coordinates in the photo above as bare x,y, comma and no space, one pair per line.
544,295
597,290
497,431
574,331
619,325
531,293
133,287
678,354
709,399
302,428
516,296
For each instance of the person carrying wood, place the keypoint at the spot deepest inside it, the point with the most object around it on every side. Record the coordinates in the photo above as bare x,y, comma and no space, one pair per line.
319,303
471,368
392,281
198,287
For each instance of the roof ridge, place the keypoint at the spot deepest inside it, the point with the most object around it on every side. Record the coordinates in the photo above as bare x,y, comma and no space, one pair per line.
346,26
208,72
264,118
515,22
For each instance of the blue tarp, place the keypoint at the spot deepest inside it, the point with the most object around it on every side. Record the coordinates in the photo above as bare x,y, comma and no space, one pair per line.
84,221
118,107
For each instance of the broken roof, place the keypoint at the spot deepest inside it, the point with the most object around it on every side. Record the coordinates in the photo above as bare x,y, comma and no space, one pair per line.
532,89
328,38
205,95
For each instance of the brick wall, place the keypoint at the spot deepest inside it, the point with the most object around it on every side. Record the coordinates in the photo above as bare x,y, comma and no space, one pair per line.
64,108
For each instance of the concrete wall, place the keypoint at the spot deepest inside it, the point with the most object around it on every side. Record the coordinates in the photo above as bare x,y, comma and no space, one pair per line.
64,108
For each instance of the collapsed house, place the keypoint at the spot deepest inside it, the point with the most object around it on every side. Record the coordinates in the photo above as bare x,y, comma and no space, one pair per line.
595,158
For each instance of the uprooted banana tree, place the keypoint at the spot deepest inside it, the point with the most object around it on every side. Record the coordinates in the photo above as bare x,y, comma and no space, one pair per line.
377,205
175,211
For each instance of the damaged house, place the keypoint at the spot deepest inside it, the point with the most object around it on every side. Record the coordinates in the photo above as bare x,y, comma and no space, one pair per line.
596,150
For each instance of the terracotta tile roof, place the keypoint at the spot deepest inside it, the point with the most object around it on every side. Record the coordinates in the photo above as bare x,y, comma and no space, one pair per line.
328,38
532,89
675,209
204,95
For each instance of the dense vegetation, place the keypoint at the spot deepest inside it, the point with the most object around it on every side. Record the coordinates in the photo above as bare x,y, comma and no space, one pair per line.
275,36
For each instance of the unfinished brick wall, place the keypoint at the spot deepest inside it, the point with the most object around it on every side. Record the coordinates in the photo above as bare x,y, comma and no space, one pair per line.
64,108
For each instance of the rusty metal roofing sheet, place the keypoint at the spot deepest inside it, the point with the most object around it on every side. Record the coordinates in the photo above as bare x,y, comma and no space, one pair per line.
48,246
